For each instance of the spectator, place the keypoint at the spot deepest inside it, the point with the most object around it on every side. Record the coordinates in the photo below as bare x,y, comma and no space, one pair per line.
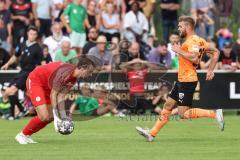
102,53
120,6
169,10
65,54
46,55
149,10
160,55
42,15
224,35
205,61
55,40
137,71
160,98
5,27
21,14
93,16
135,25
202,21
111,22
57,6
225,10
208,7
5,106
227,58
92,37
173,39
129,3
4,56
76,14
236,48
132,52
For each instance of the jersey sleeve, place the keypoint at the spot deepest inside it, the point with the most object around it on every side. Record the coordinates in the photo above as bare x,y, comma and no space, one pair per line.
18,50
67,11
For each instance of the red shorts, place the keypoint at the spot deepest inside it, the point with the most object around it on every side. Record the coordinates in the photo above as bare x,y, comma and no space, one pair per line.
39,95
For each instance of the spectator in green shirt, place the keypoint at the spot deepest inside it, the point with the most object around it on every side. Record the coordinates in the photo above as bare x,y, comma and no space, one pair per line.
4,105
65,54
74,19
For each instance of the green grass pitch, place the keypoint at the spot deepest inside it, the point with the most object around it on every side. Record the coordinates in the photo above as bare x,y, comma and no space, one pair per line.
109,138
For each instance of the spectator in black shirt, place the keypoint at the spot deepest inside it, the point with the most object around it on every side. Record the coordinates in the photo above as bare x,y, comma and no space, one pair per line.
227,58
132,52
169,16
21,15
46,55
30,54
5,26
92,37
93,16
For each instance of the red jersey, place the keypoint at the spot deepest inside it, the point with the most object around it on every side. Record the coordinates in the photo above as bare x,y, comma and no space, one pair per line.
43,79
136,81
55,75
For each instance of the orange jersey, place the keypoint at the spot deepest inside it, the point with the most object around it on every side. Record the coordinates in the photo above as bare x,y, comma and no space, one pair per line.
187,69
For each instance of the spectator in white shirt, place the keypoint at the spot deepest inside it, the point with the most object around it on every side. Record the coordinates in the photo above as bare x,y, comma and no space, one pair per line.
135,25
55,40
42,14
57,6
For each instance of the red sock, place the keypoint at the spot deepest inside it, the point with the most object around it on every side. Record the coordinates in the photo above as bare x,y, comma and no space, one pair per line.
33,126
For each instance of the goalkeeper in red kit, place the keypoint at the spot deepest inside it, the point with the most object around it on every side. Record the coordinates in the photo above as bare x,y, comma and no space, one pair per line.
46,85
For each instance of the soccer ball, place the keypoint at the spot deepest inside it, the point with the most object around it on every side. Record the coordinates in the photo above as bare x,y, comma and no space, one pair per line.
65,127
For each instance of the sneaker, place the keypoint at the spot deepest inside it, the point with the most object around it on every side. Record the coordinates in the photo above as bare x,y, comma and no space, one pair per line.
23,114
145,133
120,115
23,139
220,119
10,118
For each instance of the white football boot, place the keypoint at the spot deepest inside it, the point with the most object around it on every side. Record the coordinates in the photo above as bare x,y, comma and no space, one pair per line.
23,139
145,133
220,119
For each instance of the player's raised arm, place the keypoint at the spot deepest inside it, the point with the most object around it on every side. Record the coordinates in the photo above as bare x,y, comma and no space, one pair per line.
214,55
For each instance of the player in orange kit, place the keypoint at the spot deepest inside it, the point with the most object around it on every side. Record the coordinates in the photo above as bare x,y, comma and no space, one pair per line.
190,54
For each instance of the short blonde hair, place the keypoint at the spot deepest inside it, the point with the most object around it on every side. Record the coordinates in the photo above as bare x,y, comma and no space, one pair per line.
187,19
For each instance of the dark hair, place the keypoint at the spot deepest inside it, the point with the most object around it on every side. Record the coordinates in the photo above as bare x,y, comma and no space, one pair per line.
135,2
33,28
163,43
3,1
200,12
44,46
89,29
164,85
174,33
84,62
188,20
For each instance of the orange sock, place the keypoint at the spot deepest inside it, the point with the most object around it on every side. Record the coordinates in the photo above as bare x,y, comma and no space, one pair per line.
198,113
165,114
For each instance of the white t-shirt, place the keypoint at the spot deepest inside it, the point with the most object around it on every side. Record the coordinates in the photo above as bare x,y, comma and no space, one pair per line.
130,20
53,45
173,54
55,11
43,8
